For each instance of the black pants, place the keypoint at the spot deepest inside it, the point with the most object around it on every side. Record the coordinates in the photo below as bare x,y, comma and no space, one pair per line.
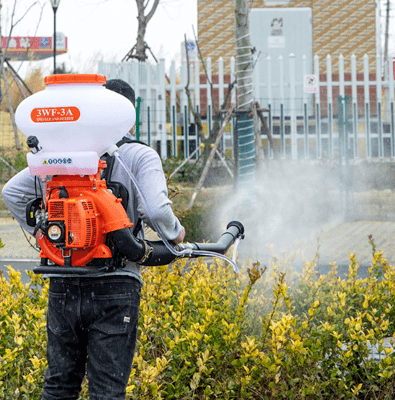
92,323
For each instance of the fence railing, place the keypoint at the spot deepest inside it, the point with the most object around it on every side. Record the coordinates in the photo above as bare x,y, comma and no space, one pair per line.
303,125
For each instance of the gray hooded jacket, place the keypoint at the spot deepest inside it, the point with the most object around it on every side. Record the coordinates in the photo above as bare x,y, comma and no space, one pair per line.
145,165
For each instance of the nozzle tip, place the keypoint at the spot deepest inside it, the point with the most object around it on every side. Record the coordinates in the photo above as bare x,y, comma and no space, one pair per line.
238,224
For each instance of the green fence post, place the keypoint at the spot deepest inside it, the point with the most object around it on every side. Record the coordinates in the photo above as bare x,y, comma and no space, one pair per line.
246,155
347,151
340,122
345,183
138,123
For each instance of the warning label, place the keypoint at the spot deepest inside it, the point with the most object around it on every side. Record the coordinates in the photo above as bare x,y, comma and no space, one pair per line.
57,161
310,84
55,114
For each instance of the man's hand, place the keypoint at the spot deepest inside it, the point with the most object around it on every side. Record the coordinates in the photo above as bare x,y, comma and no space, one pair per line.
180,236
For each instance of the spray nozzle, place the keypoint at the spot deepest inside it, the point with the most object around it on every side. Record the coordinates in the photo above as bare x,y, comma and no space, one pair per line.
32,142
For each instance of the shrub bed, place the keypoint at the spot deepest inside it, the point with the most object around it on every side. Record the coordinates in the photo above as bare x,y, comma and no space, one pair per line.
208,334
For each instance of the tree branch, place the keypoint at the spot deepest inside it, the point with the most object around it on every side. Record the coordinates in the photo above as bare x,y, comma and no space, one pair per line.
200,56
205,70
196,115
265,127
23,16
152,12
217,114
211,157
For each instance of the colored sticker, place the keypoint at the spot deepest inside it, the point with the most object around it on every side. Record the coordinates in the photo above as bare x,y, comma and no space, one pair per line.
57,161
54,232
55,114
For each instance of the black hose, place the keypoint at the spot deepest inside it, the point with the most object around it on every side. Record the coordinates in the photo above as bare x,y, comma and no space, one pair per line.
142,252
130,247
233,230
134,249
152,253
160,254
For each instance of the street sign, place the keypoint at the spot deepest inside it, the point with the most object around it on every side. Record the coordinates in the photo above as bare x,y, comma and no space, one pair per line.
24,48
310,84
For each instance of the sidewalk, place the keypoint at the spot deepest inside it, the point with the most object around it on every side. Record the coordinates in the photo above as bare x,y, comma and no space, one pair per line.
15,244
337,242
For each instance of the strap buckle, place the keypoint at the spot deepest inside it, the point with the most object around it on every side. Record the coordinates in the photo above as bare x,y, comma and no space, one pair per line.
147,253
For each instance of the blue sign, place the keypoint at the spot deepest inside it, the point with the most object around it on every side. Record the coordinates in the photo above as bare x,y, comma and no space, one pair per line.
44,43
191,46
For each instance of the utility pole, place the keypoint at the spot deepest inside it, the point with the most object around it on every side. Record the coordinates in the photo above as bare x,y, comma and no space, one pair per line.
387,23
246,167
55,5
387,66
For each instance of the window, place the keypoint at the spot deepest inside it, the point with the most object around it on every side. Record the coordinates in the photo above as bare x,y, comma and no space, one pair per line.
276,2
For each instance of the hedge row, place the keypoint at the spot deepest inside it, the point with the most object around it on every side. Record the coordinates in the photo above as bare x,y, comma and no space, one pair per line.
208,334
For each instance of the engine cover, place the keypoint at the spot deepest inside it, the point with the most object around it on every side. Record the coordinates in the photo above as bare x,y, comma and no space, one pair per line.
80,211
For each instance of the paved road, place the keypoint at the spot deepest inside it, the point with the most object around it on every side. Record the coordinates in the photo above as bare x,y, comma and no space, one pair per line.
17,251
18,265
335,243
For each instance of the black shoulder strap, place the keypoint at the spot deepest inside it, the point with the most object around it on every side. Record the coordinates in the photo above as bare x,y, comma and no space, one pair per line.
110,165
106,174
129,141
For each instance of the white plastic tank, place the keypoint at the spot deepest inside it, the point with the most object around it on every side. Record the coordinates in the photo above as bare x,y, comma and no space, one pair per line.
76,113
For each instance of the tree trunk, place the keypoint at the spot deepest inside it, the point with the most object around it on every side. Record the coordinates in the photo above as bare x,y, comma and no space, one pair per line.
243,55
143,20
245,124
142,27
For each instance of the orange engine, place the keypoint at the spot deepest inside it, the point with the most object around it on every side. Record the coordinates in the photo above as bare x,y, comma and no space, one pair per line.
79,212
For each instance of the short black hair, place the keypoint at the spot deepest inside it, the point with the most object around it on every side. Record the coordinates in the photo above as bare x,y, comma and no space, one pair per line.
121,87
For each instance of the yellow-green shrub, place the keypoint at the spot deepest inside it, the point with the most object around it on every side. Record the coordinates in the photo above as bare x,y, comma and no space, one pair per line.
199,336
22,336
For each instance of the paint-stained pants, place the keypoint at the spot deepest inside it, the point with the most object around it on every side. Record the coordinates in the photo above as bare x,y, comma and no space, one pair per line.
92,323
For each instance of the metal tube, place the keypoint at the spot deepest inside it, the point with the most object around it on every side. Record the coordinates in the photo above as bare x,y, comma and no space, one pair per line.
54,39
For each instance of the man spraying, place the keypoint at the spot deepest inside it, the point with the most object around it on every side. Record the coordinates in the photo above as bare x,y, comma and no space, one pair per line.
92,319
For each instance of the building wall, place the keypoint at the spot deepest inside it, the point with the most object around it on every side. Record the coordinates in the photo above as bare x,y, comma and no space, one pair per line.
339,27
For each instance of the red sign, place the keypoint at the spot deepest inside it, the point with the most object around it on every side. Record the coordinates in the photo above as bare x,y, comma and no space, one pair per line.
26,47
55,114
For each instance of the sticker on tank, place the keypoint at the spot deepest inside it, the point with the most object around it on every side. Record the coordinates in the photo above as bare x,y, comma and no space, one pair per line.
55,114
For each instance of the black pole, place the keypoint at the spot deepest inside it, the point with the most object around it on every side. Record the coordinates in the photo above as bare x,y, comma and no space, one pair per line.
54,39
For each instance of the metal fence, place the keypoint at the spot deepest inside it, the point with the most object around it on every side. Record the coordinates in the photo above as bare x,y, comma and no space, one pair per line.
303,125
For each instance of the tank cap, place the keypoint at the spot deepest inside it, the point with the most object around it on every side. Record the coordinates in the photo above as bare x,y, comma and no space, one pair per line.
74,78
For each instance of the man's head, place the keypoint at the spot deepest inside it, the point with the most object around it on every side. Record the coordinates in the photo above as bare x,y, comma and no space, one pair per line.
121,87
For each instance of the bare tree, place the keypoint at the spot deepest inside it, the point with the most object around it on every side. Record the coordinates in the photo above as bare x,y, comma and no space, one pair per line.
211,156
9,75
244,51
211,143
144,15
243,54
217,113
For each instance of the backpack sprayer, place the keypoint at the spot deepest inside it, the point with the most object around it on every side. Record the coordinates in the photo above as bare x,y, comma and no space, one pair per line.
81,226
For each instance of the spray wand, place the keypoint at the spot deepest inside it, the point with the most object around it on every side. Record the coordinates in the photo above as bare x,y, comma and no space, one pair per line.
187,250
